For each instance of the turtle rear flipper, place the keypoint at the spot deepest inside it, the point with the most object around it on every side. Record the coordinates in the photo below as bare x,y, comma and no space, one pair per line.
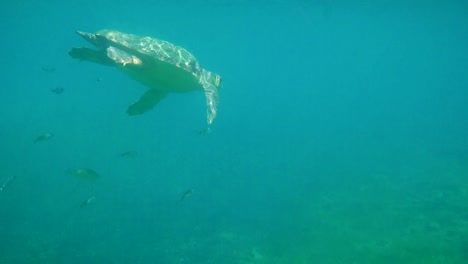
88,54
211,82
147,102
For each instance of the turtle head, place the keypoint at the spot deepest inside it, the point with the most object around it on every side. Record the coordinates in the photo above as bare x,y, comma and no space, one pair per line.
95,39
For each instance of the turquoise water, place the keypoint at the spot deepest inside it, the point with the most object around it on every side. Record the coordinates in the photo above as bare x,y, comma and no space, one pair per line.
340,138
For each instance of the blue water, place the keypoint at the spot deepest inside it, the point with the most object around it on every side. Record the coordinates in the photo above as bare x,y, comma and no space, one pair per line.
340,138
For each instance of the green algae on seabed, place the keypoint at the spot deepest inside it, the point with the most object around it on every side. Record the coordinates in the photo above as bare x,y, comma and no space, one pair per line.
84,173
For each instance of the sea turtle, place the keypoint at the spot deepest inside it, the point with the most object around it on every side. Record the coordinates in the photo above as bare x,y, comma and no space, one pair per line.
161,66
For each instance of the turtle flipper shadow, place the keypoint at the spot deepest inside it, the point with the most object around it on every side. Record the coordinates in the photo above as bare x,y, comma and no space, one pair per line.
88,54
147,102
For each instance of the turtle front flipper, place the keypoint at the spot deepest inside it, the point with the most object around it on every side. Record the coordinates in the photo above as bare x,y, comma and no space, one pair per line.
147,102
88,54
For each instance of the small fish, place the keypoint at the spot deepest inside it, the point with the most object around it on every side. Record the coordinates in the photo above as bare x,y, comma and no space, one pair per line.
129,154
6,183
84,173
57,90
205,131
43,137
48,68
87,201
185,195
99,79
